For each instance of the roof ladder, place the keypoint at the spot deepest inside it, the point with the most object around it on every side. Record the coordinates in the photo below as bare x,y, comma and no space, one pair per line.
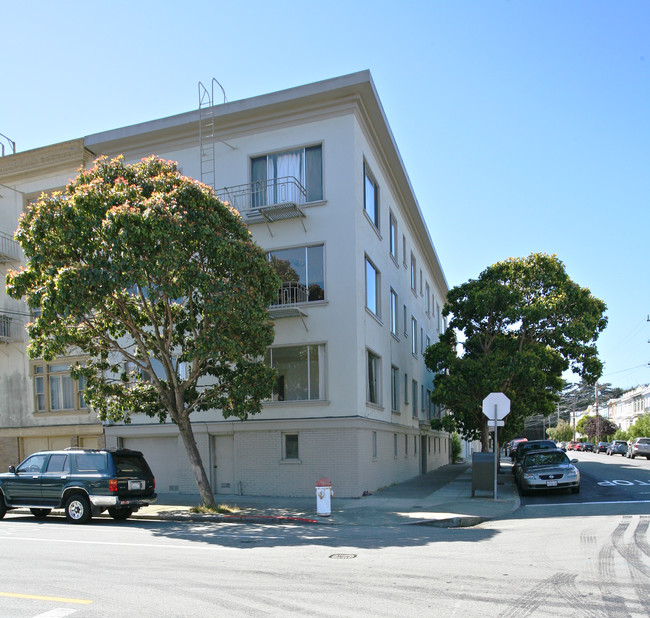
207,132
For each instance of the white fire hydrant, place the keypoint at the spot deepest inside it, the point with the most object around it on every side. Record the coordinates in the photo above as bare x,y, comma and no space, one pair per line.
324,494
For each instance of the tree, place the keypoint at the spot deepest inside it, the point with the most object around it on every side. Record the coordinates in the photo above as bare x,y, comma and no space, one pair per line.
161,285
522,323
598,427
641,427
562,432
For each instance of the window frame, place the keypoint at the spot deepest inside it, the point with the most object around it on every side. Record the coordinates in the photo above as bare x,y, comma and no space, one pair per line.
43,374
321,384
394,310
373,383
285,450
368,263
394,388
392,236
369,179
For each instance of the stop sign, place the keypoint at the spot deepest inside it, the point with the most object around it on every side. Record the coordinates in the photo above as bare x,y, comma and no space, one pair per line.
496,405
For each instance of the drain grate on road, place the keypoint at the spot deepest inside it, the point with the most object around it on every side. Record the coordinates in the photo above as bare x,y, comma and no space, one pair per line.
343,556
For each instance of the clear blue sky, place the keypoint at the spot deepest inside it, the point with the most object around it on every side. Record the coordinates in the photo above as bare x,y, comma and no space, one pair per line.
524,125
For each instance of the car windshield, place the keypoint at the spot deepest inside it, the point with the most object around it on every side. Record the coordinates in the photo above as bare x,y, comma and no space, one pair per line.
545,459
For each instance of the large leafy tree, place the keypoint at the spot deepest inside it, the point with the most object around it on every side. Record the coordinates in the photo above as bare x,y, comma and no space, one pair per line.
518,327
598,427
160,284
562,432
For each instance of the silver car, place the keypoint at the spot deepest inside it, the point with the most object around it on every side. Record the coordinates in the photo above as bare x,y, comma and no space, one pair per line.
548,469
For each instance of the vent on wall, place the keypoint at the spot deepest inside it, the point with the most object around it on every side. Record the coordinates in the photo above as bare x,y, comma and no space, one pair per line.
173,488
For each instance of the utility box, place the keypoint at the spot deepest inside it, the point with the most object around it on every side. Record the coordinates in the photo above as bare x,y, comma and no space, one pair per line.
324,495
483,472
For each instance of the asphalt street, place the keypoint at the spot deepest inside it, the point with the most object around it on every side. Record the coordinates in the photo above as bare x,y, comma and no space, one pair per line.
558,554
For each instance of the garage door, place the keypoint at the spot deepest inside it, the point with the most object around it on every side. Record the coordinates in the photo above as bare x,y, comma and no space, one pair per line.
162,456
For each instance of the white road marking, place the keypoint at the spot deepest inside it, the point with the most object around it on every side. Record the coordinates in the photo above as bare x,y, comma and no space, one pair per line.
59,612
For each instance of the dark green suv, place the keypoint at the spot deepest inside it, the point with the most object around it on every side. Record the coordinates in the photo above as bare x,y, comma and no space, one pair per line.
84,482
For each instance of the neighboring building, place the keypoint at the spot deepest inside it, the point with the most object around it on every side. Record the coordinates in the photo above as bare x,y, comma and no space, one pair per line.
316,174
40,405
626,409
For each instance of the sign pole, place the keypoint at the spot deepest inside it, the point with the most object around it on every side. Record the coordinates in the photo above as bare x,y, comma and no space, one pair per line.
495,450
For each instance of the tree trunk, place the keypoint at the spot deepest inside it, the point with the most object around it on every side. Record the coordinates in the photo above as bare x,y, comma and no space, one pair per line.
485,436
185,428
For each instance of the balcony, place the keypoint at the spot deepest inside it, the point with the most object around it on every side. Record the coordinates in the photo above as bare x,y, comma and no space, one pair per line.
276,199
9,249
11,330
291,295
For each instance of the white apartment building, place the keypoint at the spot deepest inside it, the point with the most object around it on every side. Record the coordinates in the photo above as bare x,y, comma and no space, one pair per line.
626,409
316,174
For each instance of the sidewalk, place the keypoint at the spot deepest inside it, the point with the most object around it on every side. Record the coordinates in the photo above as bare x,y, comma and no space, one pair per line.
442,498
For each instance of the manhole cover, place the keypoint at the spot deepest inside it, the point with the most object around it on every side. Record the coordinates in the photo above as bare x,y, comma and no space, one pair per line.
343,556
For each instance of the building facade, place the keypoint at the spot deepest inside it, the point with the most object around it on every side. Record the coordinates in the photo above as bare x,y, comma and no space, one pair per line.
317,176
632,404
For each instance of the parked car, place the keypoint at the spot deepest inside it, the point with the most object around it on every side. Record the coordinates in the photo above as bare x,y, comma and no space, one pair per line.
618,447
602,447
83,482
571,446
640,446
526,447
547,469
587,447
513,444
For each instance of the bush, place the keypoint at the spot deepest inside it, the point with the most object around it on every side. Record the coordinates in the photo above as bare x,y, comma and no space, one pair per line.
456,447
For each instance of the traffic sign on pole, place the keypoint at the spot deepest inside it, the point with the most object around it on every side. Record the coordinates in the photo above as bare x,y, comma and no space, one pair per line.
496,406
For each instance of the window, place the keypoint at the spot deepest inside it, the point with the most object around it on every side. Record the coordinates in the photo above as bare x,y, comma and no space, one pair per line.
427,298
406,445
372,287
404,249
394,445
272,176
415,445
58,463
414,278
406,389
423,401
300,372
55,390
394,388
373,394
406,331
415,398
374,445
302,272
290,446
370,196
438,325
414,336
429,405
393,236
393,312
421,288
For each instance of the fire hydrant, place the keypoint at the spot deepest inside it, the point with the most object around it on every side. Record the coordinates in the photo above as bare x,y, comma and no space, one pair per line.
324,494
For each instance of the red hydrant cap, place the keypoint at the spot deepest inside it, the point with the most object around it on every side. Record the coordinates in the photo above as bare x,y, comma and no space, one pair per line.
323,482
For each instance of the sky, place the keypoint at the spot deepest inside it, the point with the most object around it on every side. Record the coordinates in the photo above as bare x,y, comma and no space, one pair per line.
524,125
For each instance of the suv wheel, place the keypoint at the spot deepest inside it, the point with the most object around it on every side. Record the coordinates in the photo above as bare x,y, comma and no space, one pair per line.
77,509
120,514
3,508
40,513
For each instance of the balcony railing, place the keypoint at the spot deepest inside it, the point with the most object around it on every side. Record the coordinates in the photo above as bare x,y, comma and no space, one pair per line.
10,329
9,249
291,293
275,199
